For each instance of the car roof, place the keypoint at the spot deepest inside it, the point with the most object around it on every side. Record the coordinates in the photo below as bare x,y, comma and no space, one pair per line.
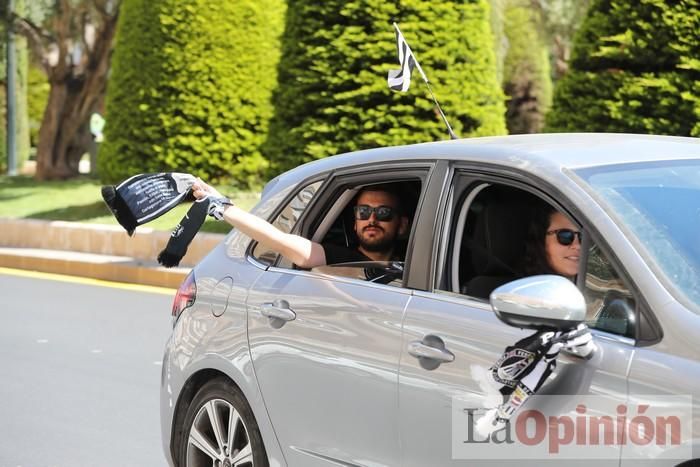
543,153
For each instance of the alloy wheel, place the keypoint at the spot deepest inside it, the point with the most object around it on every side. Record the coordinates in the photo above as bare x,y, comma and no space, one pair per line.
219,437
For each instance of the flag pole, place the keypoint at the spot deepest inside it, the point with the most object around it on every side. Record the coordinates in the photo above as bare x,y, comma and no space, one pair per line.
444,119
427,83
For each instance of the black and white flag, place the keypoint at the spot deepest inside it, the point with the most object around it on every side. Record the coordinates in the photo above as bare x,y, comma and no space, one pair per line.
400,80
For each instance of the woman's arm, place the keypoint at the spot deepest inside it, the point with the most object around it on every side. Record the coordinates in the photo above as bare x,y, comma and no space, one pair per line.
301,251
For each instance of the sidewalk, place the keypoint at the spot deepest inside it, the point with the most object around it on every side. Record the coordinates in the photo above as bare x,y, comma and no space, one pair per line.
96,251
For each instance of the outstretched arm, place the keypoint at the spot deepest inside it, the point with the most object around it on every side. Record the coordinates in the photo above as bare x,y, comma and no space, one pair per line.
301,251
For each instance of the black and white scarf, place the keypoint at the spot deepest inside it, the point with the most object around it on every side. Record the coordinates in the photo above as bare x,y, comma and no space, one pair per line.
145,197
524,366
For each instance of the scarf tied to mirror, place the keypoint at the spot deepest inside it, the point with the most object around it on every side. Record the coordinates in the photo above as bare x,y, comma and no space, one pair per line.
524,367
145,197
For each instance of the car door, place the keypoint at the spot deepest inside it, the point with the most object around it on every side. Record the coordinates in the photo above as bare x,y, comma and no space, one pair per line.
663,389
444,392
325,351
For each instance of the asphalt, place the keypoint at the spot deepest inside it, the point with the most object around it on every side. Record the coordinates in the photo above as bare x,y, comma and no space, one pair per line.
81,372
95,251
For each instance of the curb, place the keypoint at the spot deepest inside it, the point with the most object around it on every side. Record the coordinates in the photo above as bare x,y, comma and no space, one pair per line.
96,251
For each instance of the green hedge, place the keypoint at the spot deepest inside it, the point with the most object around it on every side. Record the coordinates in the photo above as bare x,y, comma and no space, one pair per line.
333,95
190,88
635,68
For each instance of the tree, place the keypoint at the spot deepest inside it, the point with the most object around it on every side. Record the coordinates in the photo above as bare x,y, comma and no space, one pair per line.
21,83
191,88
635,68
333,95
560,19
527,81
73,46
500,41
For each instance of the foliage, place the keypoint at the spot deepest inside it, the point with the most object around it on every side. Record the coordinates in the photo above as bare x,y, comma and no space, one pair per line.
635,68
333,95
560,19
37,97
21,119
190,88
500,41
527,81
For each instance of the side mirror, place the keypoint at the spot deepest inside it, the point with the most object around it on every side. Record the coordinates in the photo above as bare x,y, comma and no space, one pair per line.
616,314
539,302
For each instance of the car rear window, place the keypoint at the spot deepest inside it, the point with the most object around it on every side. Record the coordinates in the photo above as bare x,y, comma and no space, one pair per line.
287,219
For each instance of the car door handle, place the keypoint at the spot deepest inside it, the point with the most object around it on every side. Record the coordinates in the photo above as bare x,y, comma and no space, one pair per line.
420,350
431,348
278,309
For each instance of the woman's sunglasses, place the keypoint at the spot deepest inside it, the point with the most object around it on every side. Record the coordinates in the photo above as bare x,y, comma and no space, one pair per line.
382,213
566,236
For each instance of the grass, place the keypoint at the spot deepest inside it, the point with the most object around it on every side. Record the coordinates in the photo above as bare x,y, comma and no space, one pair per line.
79,200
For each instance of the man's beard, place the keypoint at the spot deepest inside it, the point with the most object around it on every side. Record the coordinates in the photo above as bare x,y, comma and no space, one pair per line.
377,245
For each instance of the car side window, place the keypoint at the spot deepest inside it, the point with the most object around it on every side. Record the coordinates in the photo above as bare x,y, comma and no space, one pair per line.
336,229
487,240
610,304
286,220
486,246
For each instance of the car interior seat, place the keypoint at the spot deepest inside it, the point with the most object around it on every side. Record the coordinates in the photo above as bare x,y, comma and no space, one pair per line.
497,243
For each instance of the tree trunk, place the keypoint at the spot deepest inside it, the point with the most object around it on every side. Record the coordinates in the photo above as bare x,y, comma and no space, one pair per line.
64,135
47,159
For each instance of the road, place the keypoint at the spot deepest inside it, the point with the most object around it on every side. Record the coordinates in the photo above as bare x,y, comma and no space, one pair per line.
80,373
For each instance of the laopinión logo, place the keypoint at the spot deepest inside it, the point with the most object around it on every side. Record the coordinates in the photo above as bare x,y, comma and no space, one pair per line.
577,427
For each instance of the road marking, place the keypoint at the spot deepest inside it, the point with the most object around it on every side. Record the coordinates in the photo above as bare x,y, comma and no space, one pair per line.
87,281
42,341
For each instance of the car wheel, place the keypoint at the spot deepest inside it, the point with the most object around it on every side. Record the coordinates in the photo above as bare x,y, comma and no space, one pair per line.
220,430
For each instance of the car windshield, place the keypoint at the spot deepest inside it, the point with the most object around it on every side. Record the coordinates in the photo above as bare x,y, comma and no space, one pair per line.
658,203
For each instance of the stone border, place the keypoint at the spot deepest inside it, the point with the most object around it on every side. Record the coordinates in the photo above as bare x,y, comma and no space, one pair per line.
109,268
97,251
99,239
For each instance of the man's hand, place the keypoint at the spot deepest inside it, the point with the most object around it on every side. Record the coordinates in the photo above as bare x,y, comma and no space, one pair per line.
202,190
217,202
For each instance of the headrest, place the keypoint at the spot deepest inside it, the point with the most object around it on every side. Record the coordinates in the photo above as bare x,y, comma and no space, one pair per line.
499,237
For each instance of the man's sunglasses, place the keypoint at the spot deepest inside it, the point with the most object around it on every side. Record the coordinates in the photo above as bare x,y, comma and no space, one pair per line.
382,213
566,236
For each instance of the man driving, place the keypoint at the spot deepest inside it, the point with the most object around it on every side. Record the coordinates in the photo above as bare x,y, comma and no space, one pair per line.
379,223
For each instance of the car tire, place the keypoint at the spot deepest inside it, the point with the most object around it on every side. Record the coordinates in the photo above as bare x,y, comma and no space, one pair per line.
220,430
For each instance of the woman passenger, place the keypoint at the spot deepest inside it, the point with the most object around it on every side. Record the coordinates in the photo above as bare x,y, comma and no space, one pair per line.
553,244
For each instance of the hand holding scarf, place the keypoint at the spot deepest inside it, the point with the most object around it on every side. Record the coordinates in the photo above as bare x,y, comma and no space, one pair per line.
145,197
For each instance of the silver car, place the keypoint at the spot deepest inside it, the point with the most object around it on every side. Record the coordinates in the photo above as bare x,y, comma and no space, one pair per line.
269,364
